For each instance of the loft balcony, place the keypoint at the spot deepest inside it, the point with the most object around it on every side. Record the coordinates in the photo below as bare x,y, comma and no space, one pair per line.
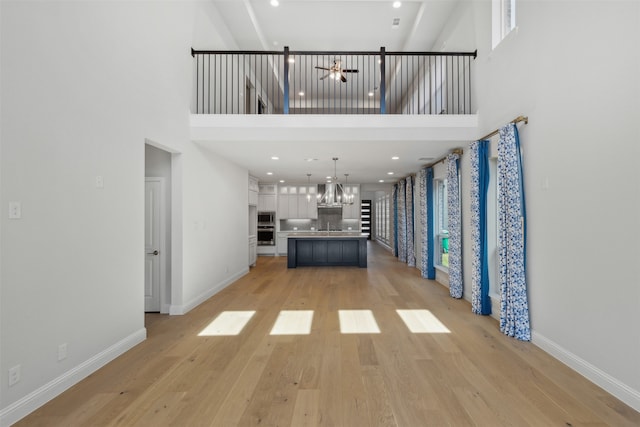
332,83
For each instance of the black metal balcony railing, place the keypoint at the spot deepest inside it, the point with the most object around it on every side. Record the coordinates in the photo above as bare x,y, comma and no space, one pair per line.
288,82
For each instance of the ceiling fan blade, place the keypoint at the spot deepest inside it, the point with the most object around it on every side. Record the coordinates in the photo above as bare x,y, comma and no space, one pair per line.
343,78
349,71
325,76
322,68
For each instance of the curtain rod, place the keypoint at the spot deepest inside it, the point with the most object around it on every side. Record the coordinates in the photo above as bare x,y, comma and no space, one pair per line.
518,119
459,151
454,151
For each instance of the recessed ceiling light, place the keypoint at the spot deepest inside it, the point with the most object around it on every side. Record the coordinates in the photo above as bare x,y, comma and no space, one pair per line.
281,181
370,93
310,160
389,173
301,93
381,180
269,173
395,158
275,3
329,180
275,158
397,4
292,60
328,177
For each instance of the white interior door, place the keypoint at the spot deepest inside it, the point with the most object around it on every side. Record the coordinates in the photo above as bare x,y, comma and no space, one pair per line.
152,246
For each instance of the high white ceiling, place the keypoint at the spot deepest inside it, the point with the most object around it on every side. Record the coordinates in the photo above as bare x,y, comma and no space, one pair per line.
331,25
334,24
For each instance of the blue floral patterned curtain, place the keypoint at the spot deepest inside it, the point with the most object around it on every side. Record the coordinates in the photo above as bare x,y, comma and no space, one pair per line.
421,181
402,221
425,179
455,226
514,305
411,256
394,197
479,157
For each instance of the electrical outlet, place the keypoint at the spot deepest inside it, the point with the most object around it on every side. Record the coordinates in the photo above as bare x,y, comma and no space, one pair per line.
14,375
62,351
99,181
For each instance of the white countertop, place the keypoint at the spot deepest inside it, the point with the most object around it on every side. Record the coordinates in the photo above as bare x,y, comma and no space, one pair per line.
325,234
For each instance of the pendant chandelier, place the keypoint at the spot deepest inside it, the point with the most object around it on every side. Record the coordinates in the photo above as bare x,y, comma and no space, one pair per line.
334,195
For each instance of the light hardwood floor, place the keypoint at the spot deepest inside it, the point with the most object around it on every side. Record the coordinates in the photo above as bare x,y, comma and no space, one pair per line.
471,376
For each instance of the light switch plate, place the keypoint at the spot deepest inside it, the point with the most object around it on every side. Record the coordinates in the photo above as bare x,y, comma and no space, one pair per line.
15,210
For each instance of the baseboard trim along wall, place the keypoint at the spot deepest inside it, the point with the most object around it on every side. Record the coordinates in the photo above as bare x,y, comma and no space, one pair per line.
612,385
183,309
21,408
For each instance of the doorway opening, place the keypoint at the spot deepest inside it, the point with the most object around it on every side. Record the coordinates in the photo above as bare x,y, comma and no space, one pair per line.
158,230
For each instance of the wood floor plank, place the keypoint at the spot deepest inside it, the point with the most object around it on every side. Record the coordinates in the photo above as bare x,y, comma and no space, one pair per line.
306,412
380,407
473,375
355,408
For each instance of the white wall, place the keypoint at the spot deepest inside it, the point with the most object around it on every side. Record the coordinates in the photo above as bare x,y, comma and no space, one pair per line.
573,68
216,214
84,85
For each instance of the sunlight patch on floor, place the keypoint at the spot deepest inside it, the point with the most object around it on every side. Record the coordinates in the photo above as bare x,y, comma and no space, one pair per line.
357,322
422,322
227,323
293,322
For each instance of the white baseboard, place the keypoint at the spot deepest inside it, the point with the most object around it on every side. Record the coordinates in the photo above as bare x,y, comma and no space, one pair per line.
29,403
185,308
384,245
612,385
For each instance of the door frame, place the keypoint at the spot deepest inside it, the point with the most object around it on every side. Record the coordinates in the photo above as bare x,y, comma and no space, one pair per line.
162,258
172,304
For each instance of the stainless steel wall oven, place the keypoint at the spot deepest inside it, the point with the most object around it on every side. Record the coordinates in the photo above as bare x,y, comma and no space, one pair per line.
266,235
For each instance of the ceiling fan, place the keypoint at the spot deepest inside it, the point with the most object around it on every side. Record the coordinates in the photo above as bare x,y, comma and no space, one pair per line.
336,71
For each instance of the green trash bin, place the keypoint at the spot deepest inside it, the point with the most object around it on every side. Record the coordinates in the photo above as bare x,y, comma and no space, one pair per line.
445,241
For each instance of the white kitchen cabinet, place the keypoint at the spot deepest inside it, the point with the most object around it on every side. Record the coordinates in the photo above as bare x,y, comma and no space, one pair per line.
282,243
292,199
253,191
293,203
307,202
267,188
253,250
283,202
352,211
267,198
266,202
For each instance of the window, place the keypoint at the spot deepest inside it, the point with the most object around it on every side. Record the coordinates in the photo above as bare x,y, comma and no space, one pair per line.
441,229
503,19
382,219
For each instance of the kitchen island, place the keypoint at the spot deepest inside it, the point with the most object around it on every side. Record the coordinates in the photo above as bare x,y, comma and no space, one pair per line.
333,248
